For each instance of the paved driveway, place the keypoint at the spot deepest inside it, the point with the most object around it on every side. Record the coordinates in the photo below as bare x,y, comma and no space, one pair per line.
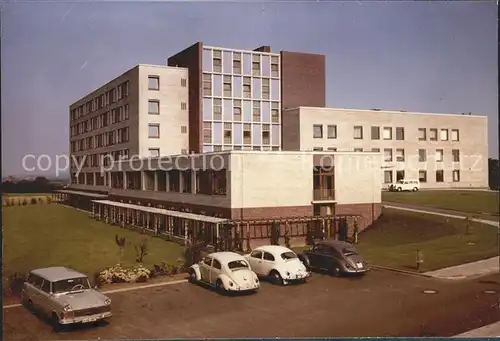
380,304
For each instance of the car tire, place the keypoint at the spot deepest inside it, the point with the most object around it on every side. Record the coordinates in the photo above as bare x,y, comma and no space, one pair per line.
415,189
219,286
399,189
336,271
192,276
54,321
276,277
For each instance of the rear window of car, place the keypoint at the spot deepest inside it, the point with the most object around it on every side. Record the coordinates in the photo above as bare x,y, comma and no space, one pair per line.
349,251
288,255
237,264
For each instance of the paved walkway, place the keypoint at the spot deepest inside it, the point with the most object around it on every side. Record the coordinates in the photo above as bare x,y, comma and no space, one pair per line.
479,268
491,330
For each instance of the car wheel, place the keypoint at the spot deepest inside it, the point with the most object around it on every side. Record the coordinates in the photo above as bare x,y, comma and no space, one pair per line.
399,189
415,189
275,275
219,286
192,276
54,320
336,270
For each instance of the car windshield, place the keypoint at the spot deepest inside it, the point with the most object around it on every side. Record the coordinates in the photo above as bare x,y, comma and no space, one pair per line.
349,251
401,182
72,284
288,255
237,265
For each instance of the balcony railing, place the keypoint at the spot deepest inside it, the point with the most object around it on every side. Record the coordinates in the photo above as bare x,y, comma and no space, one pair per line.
324,194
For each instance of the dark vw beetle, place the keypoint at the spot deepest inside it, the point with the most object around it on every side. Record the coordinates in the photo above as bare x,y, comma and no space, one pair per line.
334,256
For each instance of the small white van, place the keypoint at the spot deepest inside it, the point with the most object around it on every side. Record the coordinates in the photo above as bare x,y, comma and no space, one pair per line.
405,185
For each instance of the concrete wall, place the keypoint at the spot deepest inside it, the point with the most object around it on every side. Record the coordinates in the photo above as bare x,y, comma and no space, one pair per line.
473,140
171,118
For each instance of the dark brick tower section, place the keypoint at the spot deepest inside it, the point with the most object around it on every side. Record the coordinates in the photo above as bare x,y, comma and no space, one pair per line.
191,58
263,48
302,80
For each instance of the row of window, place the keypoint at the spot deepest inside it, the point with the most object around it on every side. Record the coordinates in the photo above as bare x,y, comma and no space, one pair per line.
116,115
400,154
422,176
218,148
154,82
154,106
240,111
102,159
154,130
105,139
103,100
255,64
387,133
238,133
240,87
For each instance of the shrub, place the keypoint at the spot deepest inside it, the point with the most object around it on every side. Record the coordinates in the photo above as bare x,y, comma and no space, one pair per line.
6,203
15,283
49,200
12,202
142,249
33,201
19,203
40,200
193,254
25,202
118,274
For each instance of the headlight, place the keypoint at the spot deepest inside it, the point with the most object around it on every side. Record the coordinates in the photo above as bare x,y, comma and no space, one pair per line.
107,302
256,280
67,307
288,273
231,283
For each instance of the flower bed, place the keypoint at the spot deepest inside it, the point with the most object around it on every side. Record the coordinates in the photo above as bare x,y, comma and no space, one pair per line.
119,274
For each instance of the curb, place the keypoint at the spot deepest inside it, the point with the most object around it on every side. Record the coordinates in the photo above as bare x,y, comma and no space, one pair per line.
407,272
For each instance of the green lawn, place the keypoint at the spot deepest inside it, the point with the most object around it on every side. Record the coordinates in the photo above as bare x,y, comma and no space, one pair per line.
476,202
52,235
394,239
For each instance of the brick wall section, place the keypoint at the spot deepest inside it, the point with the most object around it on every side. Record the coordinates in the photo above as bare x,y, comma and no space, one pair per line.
303,80
369,212
270,212
191,58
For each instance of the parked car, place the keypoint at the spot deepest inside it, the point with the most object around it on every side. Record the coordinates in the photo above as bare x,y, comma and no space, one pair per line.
277,262
334,256
65,296
405,185
226,271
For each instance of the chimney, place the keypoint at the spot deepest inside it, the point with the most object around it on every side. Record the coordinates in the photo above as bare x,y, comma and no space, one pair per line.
263,48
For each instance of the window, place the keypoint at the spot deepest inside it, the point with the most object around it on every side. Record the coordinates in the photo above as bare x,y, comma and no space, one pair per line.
274,66
265,88
207,84
400,175
400,155
388,177
207,261
422,155
357,150
439,155
237,110
318,131
227,86
237,63
217,109
275,113
332,149
387,133
358,132
228,133
211,182
183,82
439,175
216,264
207,132
422,134
256,111
154,131
376,150
46,286
217,61
153,107
455,136
154,152
184,129
268,256
433,134
247,134
375,133
256,67
318,149
444,135
331,131
246,87
400,133
256,254
422,176
456,175
456,155
183,106
388,155
265,134
153,83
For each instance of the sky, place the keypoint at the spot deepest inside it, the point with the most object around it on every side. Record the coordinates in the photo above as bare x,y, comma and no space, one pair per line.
420,56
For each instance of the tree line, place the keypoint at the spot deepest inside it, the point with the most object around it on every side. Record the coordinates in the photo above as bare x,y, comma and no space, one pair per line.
38,185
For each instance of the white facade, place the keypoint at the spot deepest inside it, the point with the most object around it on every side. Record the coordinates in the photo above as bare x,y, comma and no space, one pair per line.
142,113
241,100
442,150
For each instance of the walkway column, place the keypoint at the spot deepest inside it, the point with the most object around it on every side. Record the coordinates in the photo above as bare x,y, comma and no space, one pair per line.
93,210
124,180
155,177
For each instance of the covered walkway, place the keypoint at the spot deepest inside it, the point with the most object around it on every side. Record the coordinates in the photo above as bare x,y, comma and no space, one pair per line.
173,225
78,199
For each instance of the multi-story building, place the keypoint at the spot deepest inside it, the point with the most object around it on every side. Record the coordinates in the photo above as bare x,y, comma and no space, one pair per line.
441,150
236,96
144,112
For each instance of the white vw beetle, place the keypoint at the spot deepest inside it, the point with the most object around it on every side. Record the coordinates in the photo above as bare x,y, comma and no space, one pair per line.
226,271
279,263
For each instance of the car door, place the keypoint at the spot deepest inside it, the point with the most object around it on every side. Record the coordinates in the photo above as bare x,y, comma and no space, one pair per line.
325,257
34,289
255,261
313,256
46,297
205,267
267,264
215,271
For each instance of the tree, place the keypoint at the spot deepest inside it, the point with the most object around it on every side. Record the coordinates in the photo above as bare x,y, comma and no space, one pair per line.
120,241
142,249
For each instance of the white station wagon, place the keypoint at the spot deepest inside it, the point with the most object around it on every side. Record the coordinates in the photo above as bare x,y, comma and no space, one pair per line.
65,296
226,271
279,263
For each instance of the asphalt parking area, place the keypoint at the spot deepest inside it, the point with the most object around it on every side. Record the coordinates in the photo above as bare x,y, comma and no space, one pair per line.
382,303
